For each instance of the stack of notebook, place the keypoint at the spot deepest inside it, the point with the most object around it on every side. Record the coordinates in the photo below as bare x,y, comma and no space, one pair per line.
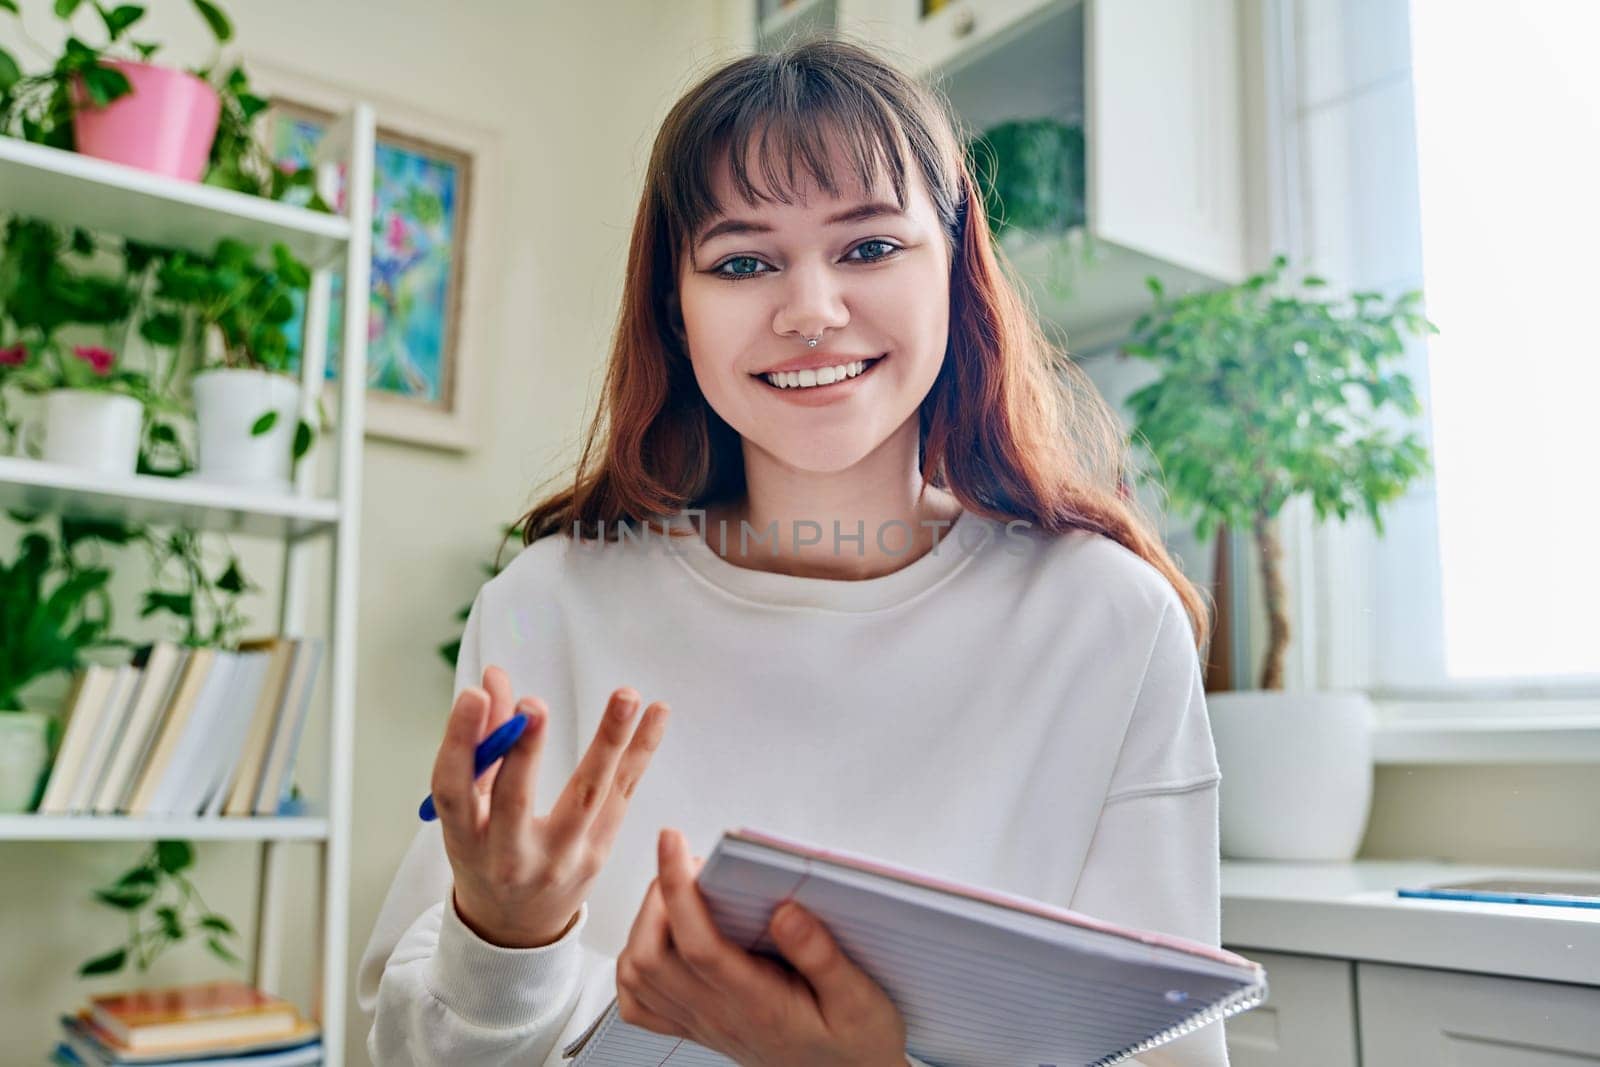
182,731
981,977
211,1023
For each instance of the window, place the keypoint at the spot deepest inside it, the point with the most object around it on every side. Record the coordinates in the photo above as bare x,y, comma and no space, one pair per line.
1508,159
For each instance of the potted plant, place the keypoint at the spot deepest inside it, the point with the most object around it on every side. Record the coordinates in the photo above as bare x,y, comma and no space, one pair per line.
1033,177
121,95
52,610
93,406
1264,396
246,400
111,102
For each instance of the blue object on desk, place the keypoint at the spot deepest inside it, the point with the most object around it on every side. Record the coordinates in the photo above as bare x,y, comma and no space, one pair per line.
1574,894
489,752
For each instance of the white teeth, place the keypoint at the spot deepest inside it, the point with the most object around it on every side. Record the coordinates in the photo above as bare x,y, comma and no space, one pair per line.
806,379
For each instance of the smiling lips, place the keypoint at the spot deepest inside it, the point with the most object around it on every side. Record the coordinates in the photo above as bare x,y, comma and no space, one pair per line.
818,377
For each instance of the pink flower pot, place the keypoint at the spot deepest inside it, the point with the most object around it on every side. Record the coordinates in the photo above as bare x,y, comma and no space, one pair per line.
166,124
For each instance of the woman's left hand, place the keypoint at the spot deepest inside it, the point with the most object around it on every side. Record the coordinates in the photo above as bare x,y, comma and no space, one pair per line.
678,975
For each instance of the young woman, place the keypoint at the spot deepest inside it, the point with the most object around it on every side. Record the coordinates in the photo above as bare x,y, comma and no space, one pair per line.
860,527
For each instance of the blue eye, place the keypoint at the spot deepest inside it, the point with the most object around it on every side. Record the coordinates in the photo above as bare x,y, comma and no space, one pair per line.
892,249
736,275
739,276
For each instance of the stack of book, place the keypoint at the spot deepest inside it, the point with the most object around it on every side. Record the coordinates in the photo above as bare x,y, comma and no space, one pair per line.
182,731
225,1022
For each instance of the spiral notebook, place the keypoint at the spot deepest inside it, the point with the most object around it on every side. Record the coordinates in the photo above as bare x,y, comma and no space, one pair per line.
980,976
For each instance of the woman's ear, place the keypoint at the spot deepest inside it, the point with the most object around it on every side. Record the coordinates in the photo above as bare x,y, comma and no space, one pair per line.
675,317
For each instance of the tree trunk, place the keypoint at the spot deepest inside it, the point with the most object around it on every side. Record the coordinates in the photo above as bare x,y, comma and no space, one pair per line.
1272,588
1219,650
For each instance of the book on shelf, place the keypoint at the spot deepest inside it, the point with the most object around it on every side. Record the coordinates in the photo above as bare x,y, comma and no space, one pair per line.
979,975
182,731
91,687
218,1022
289,726
162,666
107,728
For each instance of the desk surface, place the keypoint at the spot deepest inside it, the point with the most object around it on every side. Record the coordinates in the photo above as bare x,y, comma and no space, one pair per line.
1350,911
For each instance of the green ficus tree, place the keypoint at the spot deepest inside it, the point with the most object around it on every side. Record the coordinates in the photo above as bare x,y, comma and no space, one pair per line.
1265,395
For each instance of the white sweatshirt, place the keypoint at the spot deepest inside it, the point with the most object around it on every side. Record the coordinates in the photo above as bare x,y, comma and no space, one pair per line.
1012,709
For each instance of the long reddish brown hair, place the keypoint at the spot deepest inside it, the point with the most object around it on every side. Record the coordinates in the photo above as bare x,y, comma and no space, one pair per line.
1012,428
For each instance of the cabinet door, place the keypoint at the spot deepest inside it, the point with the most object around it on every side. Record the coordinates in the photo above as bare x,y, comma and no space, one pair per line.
1412,1015
1307,1020
955,34
1163,93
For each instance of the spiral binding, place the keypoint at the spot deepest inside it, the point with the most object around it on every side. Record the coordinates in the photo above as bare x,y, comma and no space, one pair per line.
1234,1003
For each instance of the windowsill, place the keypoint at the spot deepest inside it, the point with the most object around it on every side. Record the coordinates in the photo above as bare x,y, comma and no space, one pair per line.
1477,732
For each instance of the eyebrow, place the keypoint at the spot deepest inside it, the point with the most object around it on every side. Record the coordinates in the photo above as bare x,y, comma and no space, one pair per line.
859,213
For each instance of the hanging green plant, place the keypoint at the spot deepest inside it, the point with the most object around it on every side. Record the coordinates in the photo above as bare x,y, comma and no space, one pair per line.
1031,174
163,908
451,650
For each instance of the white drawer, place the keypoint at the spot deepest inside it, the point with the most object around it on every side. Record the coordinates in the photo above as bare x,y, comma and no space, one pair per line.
1307,1020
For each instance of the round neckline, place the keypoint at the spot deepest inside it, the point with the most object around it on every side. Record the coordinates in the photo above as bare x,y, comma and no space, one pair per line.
956,546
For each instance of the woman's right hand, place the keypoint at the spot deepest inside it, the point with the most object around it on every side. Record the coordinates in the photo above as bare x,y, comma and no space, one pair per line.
521,878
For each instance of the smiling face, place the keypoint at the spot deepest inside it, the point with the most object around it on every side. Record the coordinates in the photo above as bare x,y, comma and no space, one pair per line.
875,286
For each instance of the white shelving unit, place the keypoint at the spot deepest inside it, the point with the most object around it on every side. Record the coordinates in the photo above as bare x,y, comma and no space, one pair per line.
73,190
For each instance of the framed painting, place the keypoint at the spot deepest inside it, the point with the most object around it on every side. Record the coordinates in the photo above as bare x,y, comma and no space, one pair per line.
431,255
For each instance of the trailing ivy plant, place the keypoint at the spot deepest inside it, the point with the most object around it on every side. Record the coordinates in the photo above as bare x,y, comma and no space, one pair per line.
54,607
163,908
47,633
451,650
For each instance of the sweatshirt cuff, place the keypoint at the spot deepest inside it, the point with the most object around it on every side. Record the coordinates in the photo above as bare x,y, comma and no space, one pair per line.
498,987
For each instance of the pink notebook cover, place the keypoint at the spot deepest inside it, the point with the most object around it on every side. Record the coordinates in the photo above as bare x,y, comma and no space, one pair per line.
991,896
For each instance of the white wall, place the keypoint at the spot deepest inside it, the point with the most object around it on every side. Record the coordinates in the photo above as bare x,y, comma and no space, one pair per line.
574,92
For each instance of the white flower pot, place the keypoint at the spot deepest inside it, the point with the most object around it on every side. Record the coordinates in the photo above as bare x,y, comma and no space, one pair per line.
24,757
95,430
1296,773
227,402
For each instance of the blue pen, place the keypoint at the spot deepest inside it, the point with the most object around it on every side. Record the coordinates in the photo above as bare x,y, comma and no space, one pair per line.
489,752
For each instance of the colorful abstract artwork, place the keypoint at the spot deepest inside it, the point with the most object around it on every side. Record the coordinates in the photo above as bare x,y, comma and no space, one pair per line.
418,258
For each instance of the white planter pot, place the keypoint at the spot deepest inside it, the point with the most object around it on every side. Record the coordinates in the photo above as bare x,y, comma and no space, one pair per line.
24,757
1296,773
227,402
94,430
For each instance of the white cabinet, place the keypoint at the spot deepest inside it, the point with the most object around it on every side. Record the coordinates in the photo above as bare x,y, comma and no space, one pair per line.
959,32
1410,982
1323,1012
1164,100
1413,1015
1158,87
1307,1020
